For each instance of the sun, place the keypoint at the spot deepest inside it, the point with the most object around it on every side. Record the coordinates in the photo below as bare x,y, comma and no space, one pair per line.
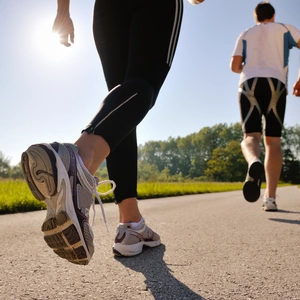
47,43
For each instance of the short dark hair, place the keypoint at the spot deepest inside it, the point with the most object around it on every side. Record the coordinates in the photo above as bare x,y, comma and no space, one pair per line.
264,11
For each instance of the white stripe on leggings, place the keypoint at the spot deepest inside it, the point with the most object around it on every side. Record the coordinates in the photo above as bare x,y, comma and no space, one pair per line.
115,110
175,31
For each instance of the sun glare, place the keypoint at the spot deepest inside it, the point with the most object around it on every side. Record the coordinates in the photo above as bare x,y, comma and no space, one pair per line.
47,43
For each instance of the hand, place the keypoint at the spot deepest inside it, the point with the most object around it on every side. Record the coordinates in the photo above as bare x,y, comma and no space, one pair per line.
63,27
195,2
296,88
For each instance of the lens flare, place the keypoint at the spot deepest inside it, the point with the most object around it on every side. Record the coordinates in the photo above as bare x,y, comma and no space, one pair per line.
47,43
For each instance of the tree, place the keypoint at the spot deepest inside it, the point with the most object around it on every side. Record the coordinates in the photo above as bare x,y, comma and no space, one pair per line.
4,166
187,157
207,140
290,168
151,153
291,140
16,172
227,163
291,154
147,172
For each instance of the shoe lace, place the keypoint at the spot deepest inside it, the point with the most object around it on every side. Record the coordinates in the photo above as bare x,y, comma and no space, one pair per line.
98,194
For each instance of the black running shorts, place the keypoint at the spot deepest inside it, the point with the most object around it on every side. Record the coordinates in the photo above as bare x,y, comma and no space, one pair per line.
262,105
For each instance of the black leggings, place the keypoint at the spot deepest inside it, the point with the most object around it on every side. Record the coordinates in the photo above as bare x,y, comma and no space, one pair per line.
136,42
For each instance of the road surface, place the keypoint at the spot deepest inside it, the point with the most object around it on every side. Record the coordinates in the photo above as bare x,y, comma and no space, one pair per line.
214,246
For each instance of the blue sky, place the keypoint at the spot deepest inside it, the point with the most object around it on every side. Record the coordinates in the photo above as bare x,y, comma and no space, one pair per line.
49,94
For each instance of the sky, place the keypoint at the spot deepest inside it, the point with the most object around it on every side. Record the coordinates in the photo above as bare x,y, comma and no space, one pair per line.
50,93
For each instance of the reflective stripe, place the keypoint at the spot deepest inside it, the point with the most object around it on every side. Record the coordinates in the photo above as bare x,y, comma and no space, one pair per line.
175,31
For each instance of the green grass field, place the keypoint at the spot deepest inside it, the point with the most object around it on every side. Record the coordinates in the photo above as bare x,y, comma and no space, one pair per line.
15,195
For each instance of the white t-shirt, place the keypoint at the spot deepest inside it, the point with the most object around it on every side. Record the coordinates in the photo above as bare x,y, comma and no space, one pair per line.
265,48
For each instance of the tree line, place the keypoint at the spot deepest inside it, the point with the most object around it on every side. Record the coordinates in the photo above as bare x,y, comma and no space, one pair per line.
7,171
212,154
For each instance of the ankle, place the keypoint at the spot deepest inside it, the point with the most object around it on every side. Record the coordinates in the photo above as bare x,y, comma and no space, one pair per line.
129,211
131,219
269,197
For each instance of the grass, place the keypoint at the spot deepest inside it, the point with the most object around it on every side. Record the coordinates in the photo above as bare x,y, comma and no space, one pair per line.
15,195
166,189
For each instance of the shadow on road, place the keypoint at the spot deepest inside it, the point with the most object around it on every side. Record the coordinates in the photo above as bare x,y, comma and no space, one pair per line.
159,280
287,211
297,222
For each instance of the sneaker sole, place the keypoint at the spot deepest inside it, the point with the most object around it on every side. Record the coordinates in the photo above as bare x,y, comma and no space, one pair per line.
62,231
251,189
269,209
133,250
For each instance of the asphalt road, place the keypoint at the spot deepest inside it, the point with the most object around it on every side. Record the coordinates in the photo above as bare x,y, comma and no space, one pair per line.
214,246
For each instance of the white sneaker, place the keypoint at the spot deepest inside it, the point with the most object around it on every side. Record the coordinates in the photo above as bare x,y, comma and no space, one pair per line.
56,175
130,241
269,204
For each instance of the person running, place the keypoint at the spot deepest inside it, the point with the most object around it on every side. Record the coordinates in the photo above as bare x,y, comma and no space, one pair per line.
136,43
261,57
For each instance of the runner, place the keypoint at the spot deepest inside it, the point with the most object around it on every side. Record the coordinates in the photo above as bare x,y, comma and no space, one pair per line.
261,57
136,42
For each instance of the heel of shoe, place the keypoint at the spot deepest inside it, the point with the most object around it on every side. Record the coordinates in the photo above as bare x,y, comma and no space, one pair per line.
256,170
39,168
62,237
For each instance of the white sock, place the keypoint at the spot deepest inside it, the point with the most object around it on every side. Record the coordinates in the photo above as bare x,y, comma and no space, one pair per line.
137,225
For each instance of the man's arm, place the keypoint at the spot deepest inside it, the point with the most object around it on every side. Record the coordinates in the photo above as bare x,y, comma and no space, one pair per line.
236,64
296,87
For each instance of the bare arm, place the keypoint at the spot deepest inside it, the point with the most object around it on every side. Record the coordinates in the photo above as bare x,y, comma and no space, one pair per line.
63,24
296,87
236,64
